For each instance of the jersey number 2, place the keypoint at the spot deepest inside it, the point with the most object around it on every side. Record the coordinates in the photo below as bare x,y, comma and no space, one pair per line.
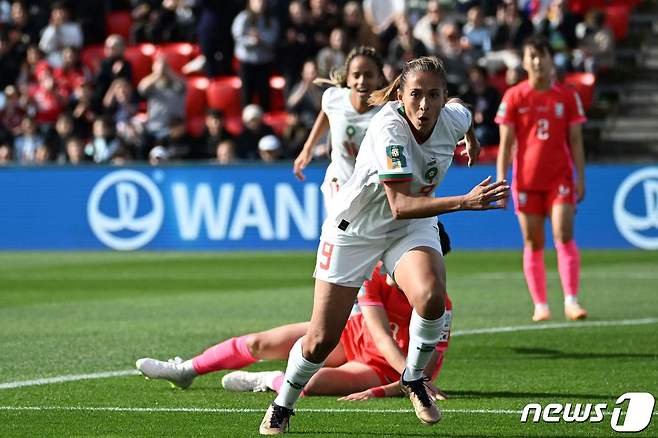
542,129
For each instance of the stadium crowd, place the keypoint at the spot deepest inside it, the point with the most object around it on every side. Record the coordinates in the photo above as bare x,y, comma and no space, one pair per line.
167,80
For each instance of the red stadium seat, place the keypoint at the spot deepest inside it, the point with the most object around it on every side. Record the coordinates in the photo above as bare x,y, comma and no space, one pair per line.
196,101
616,17
277,120
234,125
277,98
499,82
224,94
119,22
91,56
140,58
178,54
195,125
584,84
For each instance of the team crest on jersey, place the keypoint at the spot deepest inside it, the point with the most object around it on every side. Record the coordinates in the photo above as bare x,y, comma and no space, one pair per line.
350,131
559,109
564,190
430,174
396,158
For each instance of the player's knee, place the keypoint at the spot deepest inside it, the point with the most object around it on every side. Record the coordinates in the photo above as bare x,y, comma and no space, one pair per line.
534,244
430,300
313,385
317,346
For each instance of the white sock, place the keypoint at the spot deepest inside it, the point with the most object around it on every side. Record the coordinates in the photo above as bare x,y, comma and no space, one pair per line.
298,372
541,306
570,300
424,334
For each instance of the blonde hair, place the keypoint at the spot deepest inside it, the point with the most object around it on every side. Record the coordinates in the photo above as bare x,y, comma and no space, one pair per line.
338,76
426,63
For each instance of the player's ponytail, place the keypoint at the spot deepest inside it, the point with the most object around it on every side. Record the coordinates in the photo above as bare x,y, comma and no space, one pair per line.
426,63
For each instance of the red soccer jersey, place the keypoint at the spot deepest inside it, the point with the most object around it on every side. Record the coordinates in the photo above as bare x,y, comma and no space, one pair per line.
541,120
376,292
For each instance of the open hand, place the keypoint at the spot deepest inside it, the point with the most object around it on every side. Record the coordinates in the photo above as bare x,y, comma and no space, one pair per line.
301,162
486,195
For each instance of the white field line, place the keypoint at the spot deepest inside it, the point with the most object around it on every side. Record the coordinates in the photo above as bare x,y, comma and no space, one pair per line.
563,325
252,410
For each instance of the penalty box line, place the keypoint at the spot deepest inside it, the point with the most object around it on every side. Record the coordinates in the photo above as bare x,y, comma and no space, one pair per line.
469,332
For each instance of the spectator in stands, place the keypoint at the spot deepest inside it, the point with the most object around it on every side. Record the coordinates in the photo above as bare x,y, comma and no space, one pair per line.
104,143
120,102
457,59
559,27
404,46
254,129
60,33
216,47
323,18
512,27
84,108
306,97
113,66
13,111
427,28
157,22
356,27
269,148
255,32
294,46
32,67
165,93
28,142
226,152
5,152
214,134
64,129
333,55
10,61
73,73
484,101
177,143
47,98
477,32
23,24
74,151
596,44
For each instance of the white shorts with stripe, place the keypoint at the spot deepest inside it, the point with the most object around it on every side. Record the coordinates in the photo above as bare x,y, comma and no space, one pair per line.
347,260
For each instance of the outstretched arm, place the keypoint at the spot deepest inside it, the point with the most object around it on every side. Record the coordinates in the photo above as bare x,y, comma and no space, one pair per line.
406,206
306,155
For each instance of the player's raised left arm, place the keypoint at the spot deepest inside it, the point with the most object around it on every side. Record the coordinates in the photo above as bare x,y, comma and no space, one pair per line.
578,155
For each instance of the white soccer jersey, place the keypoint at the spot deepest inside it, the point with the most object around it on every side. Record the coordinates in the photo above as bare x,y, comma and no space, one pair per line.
347,128
389,152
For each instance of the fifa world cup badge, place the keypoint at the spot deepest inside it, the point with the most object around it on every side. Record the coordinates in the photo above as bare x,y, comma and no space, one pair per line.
395,157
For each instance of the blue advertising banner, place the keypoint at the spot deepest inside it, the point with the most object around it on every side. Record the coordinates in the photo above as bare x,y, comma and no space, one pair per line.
206,207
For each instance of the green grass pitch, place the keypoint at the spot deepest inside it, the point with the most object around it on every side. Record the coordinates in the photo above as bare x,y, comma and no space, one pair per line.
85,313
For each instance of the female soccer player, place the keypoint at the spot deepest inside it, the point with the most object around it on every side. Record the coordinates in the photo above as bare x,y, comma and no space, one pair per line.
347,113
385,212
370,353
544,118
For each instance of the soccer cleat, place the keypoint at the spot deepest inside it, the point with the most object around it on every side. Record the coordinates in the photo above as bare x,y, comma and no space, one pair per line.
426,410
542,314
173,371
244,381
276,420
574,312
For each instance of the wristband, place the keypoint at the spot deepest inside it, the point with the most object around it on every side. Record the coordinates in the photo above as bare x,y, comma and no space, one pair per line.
378,391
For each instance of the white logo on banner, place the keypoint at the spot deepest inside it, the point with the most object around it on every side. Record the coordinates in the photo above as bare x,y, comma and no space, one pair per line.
126,184
630,225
